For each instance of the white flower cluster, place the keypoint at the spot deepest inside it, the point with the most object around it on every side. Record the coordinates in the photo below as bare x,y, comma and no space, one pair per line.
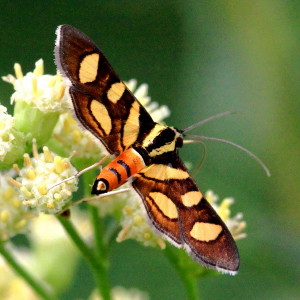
235,224
13,215
76,140
41,172
6,135
135,224
45,92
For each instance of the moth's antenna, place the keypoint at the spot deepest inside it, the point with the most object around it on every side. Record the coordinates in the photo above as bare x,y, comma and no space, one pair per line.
200,163
258,160
200,123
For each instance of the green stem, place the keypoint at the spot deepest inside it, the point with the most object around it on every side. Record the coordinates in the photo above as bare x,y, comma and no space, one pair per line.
111,232
100,249
80,244
95,220
99,269
188,280
35,285
98,232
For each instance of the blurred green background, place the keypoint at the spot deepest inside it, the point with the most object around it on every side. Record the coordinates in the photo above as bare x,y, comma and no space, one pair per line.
200,58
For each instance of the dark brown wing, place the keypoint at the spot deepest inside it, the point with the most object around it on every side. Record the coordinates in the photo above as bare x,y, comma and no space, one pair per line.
177,208
102,102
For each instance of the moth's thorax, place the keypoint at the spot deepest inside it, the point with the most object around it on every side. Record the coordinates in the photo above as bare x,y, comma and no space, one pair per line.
162,139
159,141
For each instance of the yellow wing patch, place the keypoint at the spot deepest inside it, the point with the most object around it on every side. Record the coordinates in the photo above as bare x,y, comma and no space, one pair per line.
101,114
163,172
89,68
205,232
163,149
191,198
131,127
165,204
116,92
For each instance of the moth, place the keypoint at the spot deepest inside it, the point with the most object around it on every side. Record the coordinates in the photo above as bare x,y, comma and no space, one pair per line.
144,152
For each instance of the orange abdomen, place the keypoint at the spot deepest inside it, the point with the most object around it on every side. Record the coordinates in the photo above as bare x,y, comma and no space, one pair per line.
118,171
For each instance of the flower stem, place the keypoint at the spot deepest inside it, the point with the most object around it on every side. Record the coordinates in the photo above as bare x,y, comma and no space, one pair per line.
100,248
38,287
111,232
101,251
98,232
95,220
189,281
97,266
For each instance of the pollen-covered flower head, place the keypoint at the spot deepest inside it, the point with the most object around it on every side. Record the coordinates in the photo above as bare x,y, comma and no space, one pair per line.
39,174
68,137
14,217
11,141
135,224
6,135
235,224
45,92
39,99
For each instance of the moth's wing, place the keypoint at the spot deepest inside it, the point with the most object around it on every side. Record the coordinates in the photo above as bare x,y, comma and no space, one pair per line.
161,210
177,208
102,102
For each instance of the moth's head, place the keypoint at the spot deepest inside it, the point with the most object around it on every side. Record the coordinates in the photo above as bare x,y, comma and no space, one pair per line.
100,186
179,138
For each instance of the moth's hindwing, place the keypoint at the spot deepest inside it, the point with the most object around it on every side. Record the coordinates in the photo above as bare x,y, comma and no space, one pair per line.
178,209
102,102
